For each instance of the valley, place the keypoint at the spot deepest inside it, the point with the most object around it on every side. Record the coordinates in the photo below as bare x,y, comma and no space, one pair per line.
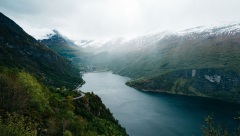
150,83
185,62
200,62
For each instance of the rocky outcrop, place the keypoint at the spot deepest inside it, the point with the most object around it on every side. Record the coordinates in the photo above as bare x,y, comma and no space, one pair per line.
216,83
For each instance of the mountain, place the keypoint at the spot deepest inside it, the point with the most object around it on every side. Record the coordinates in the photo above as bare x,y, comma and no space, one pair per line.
64,47
20,50
201,61
36,89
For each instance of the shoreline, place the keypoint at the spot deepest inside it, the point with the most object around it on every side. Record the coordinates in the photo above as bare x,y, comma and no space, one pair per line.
190,95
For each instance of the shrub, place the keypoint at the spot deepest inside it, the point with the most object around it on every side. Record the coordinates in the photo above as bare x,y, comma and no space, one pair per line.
17,125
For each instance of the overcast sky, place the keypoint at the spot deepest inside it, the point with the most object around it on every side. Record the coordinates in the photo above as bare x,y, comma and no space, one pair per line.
103,19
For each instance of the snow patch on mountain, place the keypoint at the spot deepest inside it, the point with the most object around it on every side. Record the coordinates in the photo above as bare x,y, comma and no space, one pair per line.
227,28
44,34
90,43
153,38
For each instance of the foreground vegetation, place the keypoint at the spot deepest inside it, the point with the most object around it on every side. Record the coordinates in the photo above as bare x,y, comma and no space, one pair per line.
27,107
211,129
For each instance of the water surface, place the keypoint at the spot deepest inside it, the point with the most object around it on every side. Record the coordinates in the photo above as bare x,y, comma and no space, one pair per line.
156,114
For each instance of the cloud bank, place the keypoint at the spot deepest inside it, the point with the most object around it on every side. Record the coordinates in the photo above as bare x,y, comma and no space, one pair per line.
95,19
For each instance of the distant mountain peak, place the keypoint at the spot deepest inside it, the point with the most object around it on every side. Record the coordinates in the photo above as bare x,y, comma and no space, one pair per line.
50,34
56,36
56,31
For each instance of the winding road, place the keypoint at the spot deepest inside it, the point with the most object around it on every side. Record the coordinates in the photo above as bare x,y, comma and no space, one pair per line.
82,95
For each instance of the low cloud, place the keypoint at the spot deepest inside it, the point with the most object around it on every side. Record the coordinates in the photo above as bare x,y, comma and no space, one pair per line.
94,19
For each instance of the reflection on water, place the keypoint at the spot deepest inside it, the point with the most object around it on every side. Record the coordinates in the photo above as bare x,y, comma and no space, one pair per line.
154,114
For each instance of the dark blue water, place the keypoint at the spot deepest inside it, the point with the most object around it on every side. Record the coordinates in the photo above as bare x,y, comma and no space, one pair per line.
157,114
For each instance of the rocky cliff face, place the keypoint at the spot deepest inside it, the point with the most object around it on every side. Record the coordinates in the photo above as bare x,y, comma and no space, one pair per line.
215,83
210,79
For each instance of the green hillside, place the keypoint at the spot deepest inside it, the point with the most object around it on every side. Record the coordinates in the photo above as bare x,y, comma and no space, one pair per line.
27,107
37,89
191,66
167,64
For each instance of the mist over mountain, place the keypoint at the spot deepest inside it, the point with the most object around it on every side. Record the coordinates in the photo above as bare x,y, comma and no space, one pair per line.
40,79
162,67
161,61
64,47
195,32
164,60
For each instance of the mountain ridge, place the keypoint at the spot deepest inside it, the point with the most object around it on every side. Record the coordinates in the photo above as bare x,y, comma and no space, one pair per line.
161,61
18,49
